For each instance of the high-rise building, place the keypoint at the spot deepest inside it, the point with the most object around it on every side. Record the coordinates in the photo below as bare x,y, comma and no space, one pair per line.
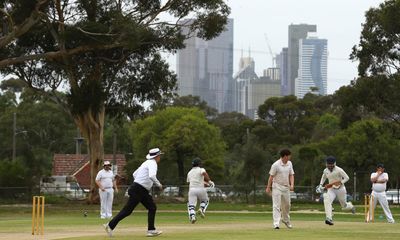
282,64
252,91
296,32
260,90
273,73
313,63
205,69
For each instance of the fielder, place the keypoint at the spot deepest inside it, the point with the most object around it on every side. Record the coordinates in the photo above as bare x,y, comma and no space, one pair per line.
197,177
337,177
379,180
280,183
106,183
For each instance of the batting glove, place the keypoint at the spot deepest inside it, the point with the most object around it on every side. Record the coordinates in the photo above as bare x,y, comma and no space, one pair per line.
319,189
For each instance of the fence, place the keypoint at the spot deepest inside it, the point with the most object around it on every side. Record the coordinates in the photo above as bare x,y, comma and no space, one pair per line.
175,193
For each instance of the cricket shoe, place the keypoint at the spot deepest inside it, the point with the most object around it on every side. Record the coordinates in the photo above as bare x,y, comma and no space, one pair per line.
276,227
288,225
153,233
201,212
329,222
193,219
353,210
109,231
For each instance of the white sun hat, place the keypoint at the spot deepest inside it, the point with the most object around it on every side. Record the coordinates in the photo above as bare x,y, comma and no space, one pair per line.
154,152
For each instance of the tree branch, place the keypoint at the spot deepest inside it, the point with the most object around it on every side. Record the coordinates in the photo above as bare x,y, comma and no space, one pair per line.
56,55
155,14
24,27
96,34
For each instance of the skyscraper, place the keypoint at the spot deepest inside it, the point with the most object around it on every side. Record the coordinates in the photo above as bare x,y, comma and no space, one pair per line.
313,62
205,69
282,64
296,32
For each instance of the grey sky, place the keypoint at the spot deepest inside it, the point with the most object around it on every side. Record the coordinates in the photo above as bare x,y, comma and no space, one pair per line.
339,21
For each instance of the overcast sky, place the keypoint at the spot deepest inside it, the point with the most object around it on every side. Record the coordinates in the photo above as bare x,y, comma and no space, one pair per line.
338,21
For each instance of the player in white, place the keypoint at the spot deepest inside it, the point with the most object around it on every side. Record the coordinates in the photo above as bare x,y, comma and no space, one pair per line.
139,192
280,183
337,177
105,180
379,180
197,177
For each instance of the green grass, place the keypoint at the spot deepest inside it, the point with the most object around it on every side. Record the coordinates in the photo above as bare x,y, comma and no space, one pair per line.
224,221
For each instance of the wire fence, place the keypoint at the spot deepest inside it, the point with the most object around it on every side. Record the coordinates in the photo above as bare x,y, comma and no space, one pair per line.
176,194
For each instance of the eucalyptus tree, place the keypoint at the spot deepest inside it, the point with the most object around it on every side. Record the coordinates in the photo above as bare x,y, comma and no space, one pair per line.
104,53
377,90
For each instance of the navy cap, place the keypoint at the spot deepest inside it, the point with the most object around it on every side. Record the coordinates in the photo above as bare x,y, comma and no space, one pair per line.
196,162
330,160
380,165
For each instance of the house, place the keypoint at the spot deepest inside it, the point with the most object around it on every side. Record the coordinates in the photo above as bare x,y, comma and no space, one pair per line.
78,166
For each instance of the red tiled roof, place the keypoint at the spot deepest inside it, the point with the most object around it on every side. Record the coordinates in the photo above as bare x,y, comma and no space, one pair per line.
71,164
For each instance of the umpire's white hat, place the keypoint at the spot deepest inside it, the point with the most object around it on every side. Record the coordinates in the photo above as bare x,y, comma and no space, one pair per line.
154,152
106,163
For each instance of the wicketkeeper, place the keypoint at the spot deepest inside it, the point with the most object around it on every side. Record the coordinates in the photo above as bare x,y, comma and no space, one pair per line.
197,179
337,177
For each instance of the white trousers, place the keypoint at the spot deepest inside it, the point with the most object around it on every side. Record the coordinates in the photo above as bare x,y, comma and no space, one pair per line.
331,195
106,201
194,195
280,204
381,197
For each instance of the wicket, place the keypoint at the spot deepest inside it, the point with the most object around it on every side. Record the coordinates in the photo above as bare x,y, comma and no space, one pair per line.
369,211
37,215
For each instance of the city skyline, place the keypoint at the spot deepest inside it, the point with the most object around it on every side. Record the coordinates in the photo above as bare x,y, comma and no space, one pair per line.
338,21
259,23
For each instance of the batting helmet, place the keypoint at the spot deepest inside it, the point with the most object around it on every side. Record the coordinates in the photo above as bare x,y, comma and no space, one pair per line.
330,160
196,162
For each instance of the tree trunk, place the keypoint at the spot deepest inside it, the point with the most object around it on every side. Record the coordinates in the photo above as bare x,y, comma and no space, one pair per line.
91,125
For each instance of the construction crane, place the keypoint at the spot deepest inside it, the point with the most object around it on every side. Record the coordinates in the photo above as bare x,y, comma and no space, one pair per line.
270,50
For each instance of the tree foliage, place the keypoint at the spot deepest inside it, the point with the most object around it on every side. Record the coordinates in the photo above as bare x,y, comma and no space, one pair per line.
308,159
188,102
233,126
292,119
379,48
183,133
364,144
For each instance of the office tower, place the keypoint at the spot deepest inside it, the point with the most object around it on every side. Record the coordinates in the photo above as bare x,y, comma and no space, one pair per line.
272,73
296,32
242,79
205,69
259,90
282,64
313,62
252,91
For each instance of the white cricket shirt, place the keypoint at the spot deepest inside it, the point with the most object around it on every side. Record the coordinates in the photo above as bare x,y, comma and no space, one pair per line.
281,172
195,177
146,174
337,174
106,178
380,187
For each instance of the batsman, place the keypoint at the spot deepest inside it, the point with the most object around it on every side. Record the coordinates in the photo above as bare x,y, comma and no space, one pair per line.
335,188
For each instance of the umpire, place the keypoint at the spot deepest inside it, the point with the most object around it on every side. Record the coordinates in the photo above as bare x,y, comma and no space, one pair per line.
139,192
